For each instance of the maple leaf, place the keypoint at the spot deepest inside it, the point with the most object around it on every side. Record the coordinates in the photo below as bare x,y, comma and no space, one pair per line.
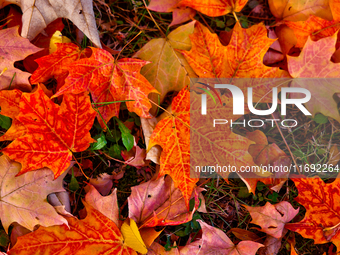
23,198
179,14
37,15
14,48
314,27
159,203
214,8
215,241
9,103
272,218
300,10
109,80
96,234
53,131
322,210
173,135
168,70
107,205
56,64
315,62
157,249
242,58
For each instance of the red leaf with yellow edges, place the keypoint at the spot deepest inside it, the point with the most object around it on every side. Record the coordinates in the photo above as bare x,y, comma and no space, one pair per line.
214,8
53,131
109,80
95,235
56,64
242,58
173,135
322,217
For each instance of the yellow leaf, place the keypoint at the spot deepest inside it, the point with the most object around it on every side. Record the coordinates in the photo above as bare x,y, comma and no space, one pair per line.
132,237
57,37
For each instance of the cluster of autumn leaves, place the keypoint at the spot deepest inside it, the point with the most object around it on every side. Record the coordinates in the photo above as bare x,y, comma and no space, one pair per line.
48,128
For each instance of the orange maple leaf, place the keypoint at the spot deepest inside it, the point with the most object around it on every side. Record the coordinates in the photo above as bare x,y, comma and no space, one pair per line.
53,131
56,64
214,8
173,135
242,58
322,218
109,80
96,235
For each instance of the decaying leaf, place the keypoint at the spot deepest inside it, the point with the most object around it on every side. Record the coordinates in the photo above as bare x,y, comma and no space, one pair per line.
215,241
53,131
168,70
38,14
23,199
272,218
14,48
158,203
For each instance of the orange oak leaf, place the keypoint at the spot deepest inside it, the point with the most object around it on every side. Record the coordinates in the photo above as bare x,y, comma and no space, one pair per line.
314,27
56,64
315,62
9,103
173,135
53,131
242,58
272,218
159,203
322,210
300,10
23,198
95,235
109,80
14,48
214,8
179,14
215,241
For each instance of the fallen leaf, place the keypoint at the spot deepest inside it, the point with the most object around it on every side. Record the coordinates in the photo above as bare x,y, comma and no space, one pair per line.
272,245
272,218
14,48
322,209
23,198
157,249
173,135
96,234
158,203
56,64
313,56
107,205
334,155
109,80
300,10
148,126
214,8
215,241
103,183
179,14
168,70
65,130
132,237
37,15
242,58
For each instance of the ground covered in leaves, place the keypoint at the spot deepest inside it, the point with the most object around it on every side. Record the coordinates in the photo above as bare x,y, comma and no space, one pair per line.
101,125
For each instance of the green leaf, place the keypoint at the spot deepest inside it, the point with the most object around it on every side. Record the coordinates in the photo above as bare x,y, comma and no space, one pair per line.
4,238
5,122
101,142
73,185
115,150
320,118
127,138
